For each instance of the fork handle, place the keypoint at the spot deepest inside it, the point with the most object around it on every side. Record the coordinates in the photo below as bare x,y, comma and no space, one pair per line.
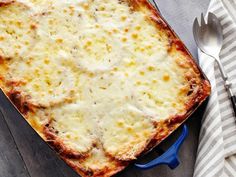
227,84
222,71
231,95
233,101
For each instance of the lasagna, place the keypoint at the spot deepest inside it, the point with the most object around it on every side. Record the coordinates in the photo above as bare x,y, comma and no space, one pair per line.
101,81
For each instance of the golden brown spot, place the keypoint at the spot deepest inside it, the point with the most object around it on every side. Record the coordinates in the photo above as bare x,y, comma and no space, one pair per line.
1,60
151,68
124,39
26,42
130,129
71,8
68,136
50,91
18,47
146,133
138,28
88,43
138,83
154,81
46,61
50,22
86,6
109,48
36,87
141,73
182,63
91,74
1,38
18,23
134,36
132,63
36,70
35,124
123,18
120,124
102,8
184,90
149,95
33,26
174,105
166,77
59,41
126,30
28,62
115,30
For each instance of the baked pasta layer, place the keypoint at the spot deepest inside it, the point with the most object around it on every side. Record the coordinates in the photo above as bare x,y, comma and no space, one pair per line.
101,81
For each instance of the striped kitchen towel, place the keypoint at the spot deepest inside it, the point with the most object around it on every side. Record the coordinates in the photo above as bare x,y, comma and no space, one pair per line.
216,155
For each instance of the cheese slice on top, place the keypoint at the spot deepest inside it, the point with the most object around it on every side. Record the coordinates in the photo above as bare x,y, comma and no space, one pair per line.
17,30
126,131
78,132
43,82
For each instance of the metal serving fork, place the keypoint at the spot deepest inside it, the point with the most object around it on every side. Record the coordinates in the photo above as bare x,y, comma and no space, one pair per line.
209,39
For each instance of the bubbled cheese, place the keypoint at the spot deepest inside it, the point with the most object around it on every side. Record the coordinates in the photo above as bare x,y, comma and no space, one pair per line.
126,131
17,30
43,82
77,132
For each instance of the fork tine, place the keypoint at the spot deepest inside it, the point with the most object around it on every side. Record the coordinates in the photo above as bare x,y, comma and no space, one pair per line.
202,20
196,29
196,25
213,19
209,18
215,22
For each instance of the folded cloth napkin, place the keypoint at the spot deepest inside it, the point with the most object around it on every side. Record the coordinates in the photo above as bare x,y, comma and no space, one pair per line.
216,156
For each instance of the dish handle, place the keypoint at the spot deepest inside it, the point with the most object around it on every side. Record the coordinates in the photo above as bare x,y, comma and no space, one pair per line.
170,157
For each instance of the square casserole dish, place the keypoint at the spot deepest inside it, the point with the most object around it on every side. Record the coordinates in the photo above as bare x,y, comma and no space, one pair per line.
101,81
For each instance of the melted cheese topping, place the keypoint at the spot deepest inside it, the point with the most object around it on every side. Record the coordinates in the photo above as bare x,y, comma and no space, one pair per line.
43,84
98,160
101,72
16,30
77,132
124,136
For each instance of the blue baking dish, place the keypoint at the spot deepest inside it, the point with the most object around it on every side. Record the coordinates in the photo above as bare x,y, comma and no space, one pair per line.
170,157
